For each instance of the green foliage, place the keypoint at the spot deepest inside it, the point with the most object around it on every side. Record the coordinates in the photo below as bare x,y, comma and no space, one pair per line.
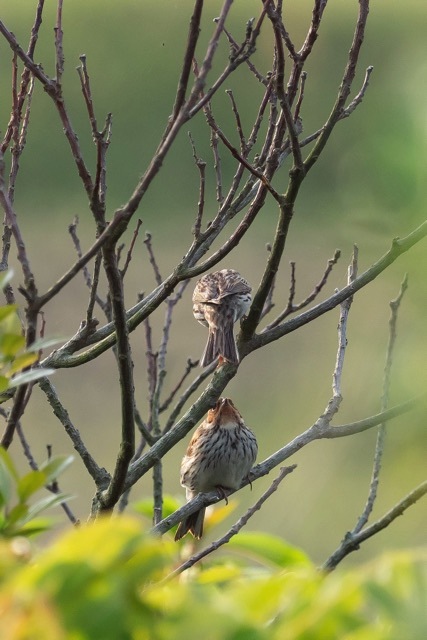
14,357
107,580
18,512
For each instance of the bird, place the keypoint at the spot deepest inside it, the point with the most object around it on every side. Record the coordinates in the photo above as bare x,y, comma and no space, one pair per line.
219,456
219,300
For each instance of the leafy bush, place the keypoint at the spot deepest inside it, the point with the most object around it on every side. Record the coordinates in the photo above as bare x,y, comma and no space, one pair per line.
108,580
18,515
15,358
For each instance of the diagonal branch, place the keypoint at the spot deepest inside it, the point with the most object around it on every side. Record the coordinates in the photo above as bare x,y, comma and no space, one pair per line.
398,247
318,431
344,90
352,542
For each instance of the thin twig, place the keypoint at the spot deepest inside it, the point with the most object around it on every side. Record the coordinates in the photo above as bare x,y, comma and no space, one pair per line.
243,148
191,364
193,36
199,380
26,76
54,488
248,62
131,248
161,360
72,229
335,402
201,166
94,297
58,44
398,247
379,447
98,474
352,542
345,87
291,307
149,245
109,498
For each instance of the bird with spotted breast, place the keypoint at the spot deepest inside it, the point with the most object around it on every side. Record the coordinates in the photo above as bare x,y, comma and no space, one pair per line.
220,456
219,300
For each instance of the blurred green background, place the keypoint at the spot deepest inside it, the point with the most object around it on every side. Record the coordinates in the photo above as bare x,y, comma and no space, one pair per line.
368,187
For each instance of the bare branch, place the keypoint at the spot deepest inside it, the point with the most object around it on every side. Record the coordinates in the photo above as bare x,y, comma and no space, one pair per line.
131,248
399,246
201,165
52,88
157,492
249,63
152,257
193,36
98,474
344,90
188,393
58,44
352,541
125,367
359,97
255,172
243,148
291,307
189,367
379,447
72,229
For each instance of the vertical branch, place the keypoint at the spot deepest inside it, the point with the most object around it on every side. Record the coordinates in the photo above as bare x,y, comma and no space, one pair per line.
193,36
102,140
157,492
125,367
30,292
335,402
26,75
379,447
345,86
59,63
201,165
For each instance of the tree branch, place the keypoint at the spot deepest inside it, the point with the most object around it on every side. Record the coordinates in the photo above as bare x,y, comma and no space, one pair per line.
352,541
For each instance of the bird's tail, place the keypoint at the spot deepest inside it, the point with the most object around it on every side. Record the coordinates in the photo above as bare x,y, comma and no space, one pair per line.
221,342
192,524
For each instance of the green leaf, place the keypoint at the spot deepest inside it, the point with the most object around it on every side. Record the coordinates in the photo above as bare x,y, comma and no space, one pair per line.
269,548
7,310
8,477
36,525
7,460
22,361
55,466
46,503
145,507
30,376
10,322
19,512
30,483
11,343
4,383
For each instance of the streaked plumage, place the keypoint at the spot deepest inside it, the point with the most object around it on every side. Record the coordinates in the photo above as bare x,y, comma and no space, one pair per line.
220,455
219,300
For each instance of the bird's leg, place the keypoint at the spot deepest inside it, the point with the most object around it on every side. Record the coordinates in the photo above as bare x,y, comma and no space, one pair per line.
222,492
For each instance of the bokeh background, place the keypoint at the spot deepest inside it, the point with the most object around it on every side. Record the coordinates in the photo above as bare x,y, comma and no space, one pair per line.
368,187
